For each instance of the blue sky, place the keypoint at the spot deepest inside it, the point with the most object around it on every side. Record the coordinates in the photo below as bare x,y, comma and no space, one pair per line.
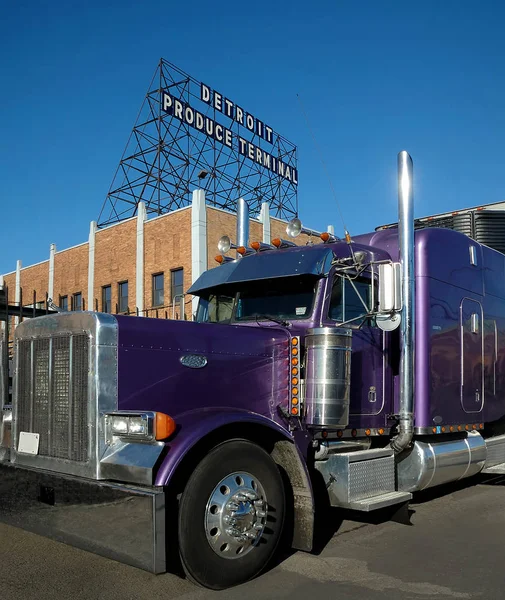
375,76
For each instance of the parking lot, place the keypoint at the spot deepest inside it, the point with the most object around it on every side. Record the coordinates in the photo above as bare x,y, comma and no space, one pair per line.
454,548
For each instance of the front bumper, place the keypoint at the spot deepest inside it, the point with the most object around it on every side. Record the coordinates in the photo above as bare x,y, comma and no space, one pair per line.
125,523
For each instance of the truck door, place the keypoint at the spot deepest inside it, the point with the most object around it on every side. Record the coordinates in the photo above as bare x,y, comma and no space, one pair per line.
472,355
368,381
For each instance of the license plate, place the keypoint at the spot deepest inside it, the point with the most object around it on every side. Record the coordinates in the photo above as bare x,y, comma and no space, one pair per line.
28,443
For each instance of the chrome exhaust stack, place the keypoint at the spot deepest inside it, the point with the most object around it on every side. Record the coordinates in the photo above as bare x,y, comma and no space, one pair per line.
242,223
407,331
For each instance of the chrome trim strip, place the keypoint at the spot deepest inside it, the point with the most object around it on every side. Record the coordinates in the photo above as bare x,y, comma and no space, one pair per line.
429,430
50,389
70,394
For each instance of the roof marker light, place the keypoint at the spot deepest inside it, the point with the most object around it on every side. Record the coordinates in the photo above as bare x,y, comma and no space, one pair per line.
280,243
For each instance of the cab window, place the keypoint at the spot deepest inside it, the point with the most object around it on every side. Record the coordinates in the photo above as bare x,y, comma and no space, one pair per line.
216,308
345,304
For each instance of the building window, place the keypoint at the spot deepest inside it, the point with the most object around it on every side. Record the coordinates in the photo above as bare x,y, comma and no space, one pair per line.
77,301
64,302
158,289
122,293
177,276
106,298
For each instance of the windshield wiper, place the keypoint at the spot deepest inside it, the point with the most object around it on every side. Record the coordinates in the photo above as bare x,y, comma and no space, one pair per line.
273,319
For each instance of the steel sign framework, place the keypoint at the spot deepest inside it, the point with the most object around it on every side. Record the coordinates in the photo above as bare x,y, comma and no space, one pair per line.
189,136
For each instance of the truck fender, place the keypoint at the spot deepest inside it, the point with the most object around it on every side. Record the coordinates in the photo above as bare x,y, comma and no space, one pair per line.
200,430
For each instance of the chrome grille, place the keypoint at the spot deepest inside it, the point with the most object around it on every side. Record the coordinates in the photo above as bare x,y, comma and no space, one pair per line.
52,394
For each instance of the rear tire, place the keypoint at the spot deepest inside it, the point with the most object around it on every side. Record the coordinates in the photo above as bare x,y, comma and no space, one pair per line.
231,515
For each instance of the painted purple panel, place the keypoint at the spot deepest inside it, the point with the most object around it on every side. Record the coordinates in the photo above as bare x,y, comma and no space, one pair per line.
247,367
196,424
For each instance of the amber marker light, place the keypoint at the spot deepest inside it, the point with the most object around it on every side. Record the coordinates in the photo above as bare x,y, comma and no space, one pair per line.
443,428
340,433
294,351
368,431
294,391
324,434
241,250
380,431
325,236
474,427
165,426
294,341
467,427
294,401
481,426
294,361
354,433
451,428
294,371
294,410
434,430
460,428
294,381
219,258
276,242
255,246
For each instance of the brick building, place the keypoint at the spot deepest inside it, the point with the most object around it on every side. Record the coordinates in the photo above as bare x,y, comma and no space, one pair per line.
139,266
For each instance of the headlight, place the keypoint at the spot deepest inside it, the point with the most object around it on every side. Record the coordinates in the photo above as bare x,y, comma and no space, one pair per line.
148,426
134,426
119,425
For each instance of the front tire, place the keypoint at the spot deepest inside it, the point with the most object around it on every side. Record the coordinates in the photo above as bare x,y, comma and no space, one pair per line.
231,515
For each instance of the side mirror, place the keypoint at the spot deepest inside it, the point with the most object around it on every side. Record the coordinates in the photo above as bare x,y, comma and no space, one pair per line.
390,296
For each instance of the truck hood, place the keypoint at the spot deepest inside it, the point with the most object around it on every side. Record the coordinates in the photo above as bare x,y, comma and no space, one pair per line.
179,366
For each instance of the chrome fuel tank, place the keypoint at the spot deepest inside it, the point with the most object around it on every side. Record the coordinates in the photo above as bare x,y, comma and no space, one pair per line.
428,464
328,376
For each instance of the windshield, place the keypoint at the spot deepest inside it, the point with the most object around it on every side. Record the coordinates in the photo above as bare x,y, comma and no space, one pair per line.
217,308
284,298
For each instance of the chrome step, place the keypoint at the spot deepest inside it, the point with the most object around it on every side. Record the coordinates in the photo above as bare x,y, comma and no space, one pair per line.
382,501
495,452
496,470
362,480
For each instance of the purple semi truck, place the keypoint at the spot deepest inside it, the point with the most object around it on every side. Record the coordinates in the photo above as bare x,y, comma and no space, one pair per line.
348,373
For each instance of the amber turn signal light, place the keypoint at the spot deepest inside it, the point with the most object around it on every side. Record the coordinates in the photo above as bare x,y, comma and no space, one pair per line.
165,426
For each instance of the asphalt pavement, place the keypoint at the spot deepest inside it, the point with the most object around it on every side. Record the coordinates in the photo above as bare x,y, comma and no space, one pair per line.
454,548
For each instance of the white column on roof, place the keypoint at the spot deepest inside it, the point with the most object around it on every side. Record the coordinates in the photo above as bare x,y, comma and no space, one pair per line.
91,264
50,286
139,265
265,219
17,290
198,239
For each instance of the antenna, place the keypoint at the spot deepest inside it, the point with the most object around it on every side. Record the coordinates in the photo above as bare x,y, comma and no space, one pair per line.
347,234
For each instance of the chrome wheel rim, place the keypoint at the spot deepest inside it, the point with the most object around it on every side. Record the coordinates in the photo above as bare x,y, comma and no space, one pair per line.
236,515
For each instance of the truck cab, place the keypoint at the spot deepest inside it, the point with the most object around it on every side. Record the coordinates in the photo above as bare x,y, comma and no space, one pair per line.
362,369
